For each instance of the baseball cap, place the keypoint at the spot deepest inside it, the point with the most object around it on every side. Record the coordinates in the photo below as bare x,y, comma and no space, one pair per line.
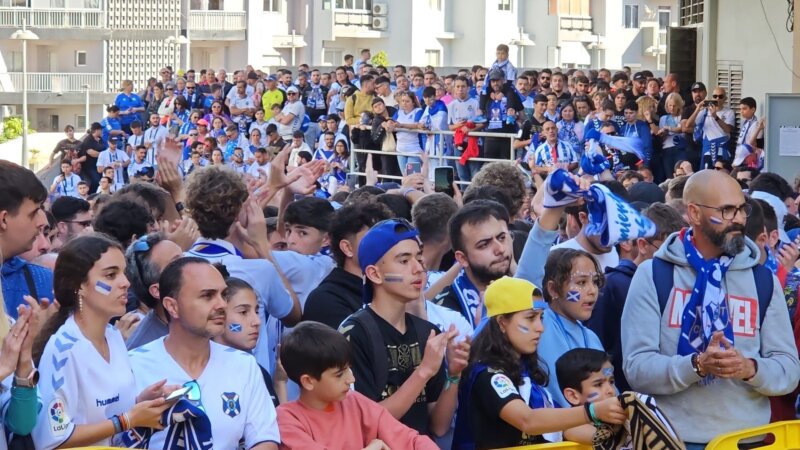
322,118
646,192
272,78
496,74
699,86
509,295
377,242
202,122
639,76
293,89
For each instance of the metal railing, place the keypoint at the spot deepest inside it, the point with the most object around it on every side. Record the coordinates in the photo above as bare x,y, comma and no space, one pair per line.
218,20
52,82
576,23
353,17
440,158
52,18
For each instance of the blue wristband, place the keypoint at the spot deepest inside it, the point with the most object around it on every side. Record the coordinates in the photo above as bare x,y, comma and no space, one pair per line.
117,424
595,420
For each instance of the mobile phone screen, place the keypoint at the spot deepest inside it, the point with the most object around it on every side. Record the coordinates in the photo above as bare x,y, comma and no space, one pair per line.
352,180
413,167
443,180
177,394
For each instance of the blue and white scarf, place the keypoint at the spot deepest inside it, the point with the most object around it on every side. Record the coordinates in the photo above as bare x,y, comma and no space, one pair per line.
566,132
469,298
593,161
771,262
560,189
187,428
707,309
614,219
624,144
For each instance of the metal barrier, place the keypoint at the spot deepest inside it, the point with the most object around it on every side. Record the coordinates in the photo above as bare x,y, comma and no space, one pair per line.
510,136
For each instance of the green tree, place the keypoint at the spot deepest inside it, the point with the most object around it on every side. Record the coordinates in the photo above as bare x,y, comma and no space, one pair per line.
12,128
380,59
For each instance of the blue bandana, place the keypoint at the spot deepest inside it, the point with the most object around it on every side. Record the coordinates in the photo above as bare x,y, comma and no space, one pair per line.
707,309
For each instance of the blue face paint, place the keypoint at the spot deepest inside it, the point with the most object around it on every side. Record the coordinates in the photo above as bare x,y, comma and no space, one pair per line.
393,278
102,288
608,371
573,296
235,328
523,329
714,220
592,397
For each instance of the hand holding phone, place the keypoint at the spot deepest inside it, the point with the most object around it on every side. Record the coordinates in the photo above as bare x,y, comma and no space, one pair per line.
443,180
178,394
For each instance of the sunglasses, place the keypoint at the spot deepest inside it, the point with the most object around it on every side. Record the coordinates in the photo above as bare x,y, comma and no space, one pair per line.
718,96
192,134
194,395
292,93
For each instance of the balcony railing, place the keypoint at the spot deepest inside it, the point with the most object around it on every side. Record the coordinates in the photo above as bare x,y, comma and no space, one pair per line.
353,17
218,20
576,23
52,82
52,18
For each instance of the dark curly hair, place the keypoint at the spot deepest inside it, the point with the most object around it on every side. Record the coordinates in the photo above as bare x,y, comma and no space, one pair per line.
558,269
214,197
491,347
123,219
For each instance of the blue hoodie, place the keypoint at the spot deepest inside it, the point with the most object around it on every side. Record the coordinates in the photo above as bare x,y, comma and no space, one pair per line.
15,285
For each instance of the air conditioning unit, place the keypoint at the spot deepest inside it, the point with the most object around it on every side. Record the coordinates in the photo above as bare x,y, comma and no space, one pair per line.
380,23
380,9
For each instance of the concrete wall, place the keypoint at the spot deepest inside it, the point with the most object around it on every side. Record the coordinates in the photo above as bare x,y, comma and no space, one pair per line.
764,72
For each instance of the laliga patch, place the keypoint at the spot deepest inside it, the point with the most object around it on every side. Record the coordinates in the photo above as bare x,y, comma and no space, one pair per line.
58,417
502,385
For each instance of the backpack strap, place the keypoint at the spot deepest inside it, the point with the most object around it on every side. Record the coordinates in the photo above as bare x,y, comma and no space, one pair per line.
663,279
765,283
379,358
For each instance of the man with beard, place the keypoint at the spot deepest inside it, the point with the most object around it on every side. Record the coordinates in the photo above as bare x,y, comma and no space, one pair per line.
704,329
482,244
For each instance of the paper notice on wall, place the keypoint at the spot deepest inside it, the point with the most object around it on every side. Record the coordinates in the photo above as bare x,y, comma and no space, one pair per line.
789,141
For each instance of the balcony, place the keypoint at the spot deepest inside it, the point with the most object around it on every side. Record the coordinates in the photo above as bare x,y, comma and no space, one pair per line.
575,28
359,24
60,83
218,25
52,18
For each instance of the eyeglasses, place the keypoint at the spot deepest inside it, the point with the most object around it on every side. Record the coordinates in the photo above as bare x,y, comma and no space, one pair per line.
83,223
292,93
729,212
718,96
189,87
192,134
544,78
194,394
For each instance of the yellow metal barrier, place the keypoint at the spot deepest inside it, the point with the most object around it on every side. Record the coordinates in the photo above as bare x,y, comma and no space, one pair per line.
786,437
554,446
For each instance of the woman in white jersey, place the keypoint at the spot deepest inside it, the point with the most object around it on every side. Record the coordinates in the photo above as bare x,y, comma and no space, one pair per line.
407,117
87,386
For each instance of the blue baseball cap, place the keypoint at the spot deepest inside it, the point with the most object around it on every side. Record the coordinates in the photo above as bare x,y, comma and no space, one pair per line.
377,242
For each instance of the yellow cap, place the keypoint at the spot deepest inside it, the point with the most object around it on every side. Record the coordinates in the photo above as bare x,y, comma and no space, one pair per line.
509,295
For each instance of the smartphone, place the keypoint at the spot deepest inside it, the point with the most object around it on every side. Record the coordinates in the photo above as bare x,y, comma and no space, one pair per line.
443,180
178,394
352,181
708,103
173,131
413,167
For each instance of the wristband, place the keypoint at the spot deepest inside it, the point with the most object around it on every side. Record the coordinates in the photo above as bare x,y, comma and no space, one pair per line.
451,381
755,371
406,191
587,410
597,422
117,425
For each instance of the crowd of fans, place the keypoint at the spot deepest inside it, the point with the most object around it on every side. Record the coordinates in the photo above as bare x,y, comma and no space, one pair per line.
274,263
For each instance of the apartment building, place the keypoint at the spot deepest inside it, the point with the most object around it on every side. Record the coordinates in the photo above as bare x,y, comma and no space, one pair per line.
87,47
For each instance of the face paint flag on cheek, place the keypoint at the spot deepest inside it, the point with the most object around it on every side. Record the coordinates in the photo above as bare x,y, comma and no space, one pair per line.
102,288
573,296
235,328
714,220
393,278
592,397
523,329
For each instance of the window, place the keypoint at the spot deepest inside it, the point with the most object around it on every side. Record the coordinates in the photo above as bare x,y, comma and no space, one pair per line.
54,123
14,3
15,62
729,76
362,5
433,57
91,4
80,122
332,56
435,5
664,14
504,5
691,12
56,3
631,16
569,7
80,58
271,5
206,5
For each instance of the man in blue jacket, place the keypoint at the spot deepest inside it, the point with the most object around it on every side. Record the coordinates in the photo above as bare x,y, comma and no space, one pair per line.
639,129
607,314
21,278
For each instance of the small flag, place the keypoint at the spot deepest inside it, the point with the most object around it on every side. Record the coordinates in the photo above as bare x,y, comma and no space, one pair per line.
235,328
573,296
102,288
